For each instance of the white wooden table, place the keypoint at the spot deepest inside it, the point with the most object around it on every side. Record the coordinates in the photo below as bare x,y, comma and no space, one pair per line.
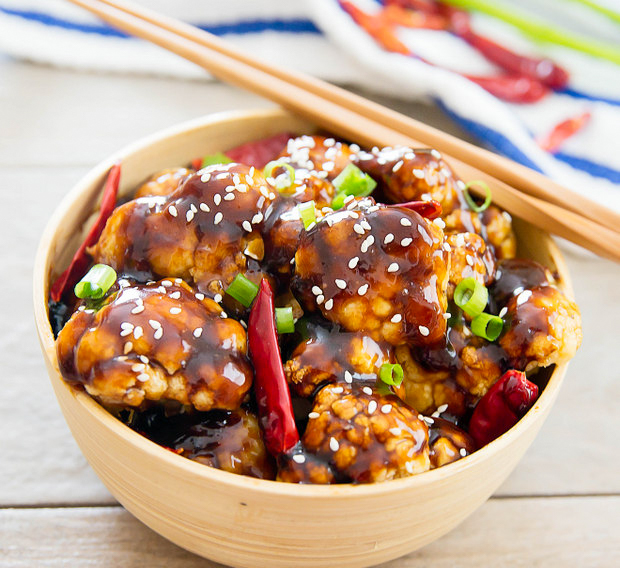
561,507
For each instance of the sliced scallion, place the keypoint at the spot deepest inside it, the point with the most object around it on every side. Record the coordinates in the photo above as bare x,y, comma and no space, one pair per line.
307,214
353,181
391,374
213,159
470,201
284,320
338,201
487,326
97,281
471,296
283,182
242,290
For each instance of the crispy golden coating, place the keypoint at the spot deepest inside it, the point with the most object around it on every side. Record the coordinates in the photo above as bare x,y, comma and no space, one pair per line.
469,258
227,440
448,443
498,232
163,182
206,232
364,436
302,467
378,270
543,328
157,342
325,157
334,357
404,175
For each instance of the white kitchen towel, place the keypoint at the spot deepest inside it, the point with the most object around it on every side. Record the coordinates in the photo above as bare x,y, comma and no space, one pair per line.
319,37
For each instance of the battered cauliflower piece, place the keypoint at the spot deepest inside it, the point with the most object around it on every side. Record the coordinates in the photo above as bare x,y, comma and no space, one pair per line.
448,443
206,232
334,357
227,440
469,258
299,466
321,156
164,182
404,174
543,328
377,270
159,342
364,436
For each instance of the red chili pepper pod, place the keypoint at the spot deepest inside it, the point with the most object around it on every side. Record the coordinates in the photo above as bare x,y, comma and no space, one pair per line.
81,260
502,407
272,394
429,209
512,88
260,152
563,131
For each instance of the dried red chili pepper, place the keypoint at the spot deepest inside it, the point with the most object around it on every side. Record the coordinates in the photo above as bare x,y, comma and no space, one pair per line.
272,394
260,152
502,407
511,88
429,209
562,132
81,259
399,16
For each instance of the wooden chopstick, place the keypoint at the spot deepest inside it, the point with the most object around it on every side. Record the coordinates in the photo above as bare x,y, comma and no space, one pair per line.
499,167
340,119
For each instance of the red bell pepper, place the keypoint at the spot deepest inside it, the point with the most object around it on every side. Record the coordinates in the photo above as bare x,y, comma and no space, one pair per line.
429,209
502,407
81,259
272,395
562,132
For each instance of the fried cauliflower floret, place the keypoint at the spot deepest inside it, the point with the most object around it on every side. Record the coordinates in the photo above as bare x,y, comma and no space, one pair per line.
364,436
543,328
469,258
299,466
498,229
206,232
377,270
157,342
323,157
447,442
404,175
227,440
163,182
334,357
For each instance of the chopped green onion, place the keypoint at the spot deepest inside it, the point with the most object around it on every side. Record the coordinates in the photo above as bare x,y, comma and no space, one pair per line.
97,281
284,320
391,374
280,185
242,290
487,326
470,201
307,214
213,159
353,181
338,201
471,296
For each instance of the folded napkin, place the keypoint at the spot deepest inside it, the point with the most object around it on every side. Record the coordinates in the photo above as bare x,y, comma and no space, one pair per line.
321,38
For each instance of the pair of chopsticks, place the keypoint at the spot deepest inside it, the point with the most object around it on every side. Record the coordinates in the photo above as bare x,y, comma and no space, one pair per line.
519,190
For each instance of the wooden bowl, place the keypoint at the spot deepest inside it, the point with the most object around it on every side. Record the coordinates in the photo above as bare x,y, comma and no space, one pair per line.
241,521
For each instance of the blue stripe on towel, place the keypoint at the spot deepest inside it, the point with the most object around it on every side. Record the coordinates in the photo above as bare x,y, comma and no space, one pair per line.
491,137
588,97
594,169
297,25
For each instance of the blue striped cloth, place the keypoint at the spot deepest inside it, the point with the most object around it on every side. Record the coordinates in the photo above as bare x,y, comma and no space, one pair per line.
318,37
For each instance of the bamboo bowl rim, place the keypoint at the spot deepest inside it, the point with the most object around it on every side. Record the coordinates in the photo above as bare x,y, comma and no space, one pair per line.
41,277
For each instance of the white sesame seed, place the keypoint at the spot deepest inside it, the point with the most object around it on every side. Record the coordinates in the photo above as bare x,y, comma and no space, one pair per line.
127,347
333,444
189,215
440,223
463,452
158,333
406,242
313,415
223,175
397,166
503,312
386,408
299,458
393,267
320,299
247,226
173,211
338,390
372,406
217,298
137,367
143,377
405,222
395,432
358,229
175,295
144,359
243,324
161,289
428,420
228,189
272,195
340,283
217,199
229,197
348,377
311,226
365,224
166,283
316,290
447,247
424,330
175,311
329,304
154,324
138,309
126,332
441,409
199,296
368,242
409,467
137,332
396,318
367,390
469,260
204,207
523,297
447,316
204,178
362,289
388,239
198,332
435,154
353,262
257,218
218,217
193,208
418,173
